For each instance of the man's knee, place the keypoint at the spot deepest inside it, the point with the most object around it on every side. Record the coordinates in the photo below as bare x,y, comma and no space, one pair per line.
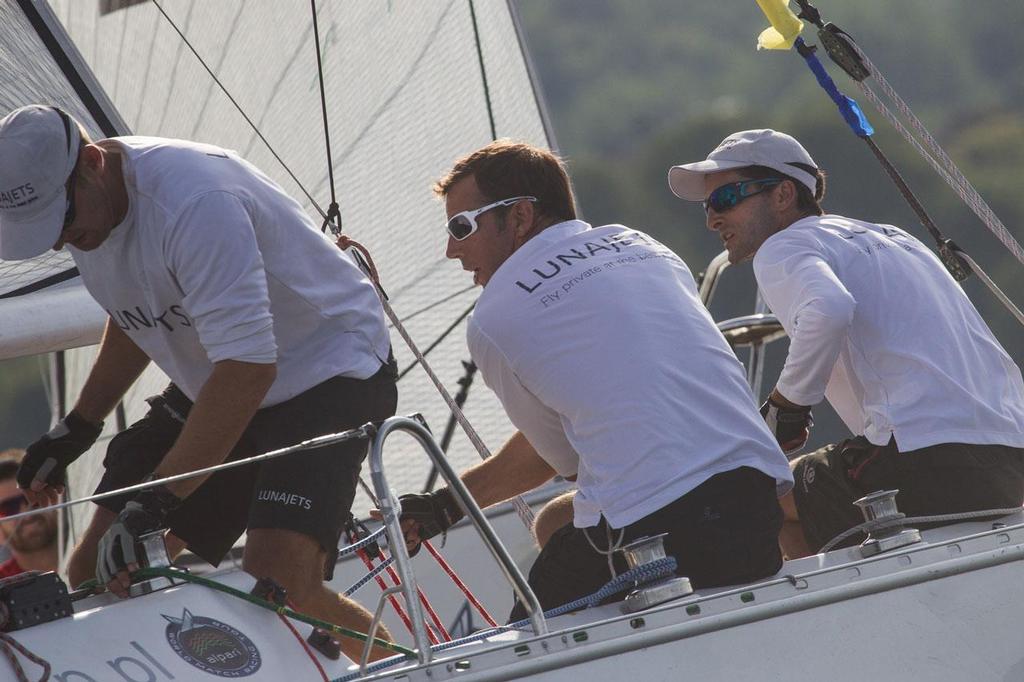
554,515
293,560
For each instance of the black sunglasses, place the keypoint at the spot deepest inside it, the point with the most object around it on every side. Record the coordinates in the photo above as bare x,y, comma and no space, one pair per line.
9,506
69,187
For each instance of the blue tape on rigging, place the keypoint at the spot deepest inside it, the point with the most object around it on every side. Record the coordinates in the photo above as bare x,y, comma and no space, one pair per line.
849,108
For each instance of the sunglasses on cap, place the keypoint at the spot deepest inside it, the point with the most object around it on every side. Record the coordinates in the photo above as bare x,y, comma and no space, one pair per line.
69,211
728,196
9,506
463,224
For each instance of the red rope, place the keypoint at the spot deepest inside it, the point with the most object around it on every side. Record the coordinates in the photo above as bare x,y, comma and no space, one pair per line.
458,583
395,604
426,606
344,241
7,643
431,633
305,646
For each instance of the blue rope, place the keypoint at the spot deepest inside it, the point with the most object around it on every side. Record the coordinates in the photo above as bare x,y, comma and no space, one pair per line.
848,107
369,576
369,539
655,570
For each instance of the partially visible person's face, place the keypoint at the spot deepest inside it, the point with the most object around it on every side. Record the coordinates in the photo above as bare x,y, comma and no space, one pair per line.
482,252
90,211
745,226
28,534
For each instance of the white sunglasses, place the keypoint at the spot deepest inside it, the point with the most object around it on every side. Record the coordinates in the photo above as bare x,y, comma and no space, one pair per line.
463,224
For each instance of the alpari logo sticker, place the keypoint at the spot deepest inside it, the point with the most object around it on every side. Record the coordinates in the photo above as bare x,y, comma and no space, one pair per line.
212,646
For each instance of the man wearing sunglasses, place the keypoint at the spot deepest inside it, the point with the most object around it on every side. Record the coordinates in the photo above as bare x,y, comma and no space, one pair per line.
270,334
31,542
615,376
879,327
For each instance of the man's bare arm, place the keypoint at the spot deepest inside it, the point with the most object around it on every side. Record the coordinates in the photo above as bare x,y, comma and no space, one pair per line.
516,468
222,411
118,364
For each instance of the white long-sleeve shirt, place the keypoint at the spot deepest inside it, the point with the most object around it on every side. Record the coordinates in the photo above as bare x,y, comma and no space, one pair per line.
215,262
879,327
601,352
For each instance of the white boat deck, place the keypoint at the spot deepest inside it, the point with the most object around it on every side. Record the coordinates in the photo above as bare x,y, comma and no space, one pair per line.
943,609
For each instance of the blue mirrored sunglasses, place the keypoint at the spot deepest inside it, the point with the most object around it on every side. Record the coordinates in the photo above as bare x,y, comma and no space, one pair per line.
463,224
727,196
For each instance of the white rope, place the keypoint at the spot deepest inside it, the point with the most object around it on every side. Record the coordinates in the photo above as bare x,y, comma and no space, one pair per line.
522,509
613,547
944,166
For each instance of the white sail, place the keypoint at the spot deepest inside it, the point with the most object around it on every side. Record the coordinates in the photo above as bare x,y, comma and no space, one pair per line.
406,94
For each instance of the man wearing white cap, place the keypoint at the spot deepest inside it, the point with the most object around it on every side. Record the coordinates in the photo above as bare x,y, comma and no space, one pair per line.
269,334
878,327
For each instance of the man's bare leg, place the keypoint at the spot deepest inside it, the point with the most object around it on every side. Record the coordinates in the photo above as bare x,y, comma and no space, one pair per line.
555,514
791,538
296,562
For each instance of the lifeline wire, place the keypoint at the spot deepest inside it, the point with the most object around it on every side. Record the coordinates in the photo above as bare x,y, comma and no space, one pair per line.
312,443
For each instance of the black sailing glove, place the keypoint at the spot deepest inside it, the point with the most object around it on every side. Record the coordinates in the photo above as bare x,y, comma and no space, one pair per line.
144,514
48,458
791,426
433,513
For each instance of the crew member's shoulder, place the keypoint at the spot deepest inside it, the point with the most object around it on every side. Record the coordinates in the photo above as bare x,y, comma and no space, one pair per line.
170,175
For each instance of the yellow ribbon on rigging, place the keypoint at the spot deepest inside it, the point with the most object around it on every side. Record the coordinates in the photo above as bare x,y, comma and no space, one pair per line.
784,29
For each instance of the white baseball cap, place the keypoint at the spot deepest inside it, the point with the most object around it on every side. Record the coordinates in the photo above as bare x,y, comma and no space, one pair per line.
769,148
38,150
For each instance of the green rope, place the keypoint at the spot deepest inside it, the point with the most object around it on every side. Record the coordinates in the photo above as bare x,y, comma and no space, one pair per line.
175,574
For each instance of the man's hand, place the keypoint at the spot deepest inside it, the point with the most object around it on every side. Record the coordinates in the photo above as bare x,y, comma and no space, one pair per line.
426,515
788,422
41,474
116,557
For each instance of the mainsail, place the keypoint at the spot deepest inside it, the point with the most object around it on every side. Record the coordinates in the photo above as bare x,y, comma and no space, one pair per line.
409,87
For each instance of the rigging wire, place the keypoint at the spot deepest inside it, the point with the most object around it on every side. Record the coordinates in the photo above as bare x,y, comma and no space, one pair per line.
436,303
438,340
333,217
483,70
944,166
241,111
845,53
333,209
522,509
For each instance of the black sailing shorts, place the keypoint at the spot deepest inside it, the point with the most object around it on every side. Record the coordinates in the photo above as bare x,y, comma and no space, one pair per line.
939,479
310,491
723,532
